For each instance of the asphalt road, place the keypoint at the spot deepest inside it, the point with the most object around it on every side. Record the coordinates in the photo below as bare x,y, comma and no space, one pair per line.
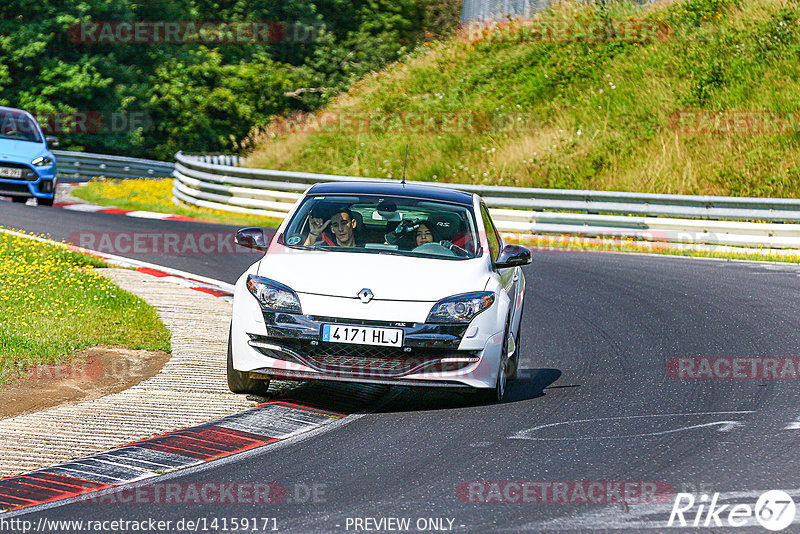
594,403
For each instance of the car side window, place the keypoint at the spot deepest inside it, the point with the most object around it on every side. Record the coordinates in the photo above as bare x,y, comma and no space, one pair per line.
491,232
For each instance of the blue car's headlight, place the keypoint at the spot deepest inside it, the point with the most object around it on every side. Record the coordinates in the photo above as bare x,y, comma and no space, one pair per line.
460,308
42,161
272,295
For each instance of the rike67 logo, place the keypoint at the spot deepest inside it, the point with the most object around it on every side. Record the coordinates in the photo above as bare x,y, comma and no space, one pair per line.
774,510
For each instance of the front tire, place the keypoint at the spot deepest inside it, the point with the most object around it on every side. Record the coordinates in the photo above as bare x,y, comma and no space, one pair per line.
513,361
45,201
19,200
498,392
240,382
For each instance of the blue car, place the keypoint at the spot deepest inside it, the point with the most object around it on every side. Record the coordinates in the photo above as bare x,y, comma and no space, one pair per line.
27,167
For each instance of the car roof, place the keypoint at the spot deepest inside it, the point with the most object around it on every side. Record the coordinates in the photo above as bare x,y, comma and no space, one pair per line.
5,108
427,192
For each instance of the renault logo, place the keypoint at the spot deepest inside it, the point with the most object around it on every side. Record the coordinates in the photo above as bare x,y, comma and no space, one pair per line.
365,295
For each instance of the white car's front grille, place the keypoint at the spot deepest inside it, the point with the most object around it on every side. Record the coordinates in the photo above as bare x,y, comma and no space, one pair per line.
369,361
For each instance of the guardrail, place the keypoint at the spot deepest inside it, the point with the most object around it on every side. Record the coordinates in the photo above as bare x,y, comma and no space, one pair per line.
83,166
735,221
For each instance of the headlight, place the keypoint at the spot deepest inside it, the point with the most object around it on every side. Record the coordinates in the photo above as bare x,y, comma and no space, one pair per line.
460,308
42,161
273,296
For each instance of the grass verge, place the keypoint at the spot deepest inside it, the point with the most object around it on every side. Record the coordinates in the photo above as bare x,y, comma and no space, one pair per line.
156,195
54,303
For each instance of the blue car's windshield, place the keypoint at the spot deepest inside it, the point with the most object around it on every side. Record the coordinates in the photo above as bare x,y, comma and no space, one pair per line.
384,225
18,126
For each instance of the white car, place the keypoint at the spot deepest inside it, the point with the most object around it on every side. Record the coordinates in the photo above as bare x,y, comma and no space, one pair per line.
380,283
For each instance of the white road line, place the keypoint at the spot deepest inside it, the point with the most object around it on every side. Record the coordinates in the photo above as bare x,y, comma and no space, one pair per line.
148,214
726,426
794,425
83,207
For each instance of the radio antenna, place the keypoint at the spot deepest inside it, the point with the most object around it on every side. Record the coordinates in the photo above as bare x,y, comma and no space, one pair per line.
404,166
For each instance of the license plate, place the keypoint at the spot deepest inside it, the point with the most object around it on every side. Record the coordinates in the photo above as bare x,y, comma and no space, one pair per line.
362,335
10,172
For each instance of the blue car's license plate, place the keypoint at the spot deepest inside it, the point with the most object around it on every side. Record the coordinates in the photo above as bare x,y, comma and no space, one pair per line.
7,172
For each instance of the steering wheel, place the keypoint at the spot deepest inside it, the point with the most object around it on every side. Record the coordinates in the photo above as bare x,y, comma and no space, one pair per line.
436,249
454,248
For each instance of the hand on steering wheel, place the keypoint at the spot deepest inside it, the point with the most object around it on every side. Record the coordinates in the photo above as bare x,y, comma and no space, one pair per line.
455,248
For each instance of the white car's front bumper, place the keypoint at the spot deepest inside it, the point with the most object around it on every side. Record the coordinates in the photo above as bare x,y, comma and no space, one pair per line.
285,346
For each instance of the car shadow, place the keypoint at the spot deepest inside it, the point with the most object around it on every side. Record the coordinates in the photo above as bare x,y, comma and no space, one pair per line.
530,384
345,398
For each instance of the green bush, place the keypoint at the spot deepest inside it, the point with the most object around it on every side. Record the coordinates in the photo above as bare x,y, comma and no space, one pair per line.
200,97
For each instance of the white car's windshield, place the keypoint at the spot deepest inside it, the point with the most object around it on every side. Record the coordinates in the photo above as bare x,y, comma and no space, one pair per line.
384,225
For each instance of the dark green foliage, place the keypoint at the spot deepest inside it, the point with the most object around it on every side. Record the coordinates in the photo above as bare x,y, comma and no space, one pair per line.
198,97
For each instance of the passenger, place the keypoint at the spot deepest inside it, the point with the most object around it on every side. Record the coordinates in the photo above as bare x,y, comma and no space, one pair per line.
342,225
424,234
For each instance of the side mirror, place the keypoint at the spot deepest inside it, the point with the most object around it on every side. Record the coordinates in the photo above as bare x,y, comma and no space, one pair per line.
51,140
513,256
251,238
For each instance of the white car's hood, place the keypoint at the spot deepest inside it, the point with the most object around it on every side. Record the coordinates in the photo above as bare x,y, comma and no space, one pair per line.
389,277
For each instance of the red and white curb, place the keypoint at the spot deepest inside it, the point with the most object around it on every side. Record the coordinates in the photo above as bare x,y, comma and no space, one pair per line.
88,207
299,411
213,287
74,204
93,208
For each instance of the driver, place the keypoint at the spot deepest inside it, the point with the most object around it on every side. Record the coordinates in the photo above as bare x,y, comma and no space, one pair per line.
342,225
424,234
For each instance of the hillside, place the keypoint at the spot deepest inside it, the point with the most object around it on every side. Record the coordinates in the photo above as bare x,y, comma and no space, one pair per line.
695,97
